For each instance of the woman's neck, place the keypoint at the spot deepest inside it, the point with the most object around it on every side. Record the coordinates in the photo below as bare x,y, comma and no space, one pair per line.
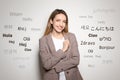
57,35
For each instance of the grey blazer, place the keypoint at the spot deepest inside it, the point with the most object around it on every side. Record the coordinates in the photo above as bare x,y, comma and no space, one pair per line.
56,61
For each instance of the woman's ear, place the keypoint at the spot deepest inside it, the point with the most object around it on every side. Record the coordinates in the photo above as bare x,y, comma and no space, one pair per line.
51,22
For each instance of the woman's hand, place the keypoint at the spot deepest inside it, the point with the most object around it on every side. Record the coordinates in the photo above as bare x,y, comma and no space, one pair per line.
65,45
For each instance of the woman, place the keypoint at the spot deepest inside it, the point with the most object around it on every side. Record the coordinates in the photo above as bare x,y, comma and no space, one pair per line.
59,49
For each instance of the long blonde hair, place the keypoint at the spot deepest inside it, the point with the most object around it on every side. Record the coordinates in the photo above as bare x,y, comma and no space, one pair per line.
49,26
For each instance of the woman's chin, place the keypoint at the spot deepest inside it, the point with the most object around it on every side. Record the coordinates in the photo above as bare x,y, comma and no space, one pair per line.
59,31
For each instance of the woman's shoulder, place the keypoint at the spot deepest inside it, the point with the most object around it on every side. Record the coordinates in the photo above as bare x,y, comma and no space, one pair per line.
70,34
43,38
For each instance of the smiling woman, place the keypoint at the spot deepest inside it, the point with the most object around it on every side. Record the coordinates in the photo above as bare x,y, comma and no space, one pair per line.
58,22
59,49
58,16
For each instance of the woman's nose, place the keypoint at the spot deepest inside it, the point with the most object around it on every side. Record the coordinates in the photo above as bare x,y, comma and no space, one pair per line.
61,23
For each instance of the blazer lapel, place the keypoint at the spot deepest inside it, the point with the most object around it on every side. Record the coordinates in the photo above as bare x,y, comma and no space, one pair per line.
66,36
51,44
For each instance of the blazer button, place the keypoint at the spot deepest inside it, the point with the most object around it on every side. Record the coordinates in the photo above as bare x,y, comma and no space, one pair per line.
67,72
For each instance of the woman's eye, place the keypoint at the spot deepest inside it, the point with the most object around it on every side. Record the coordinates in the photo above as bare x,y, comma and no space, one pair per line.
57,20
64,21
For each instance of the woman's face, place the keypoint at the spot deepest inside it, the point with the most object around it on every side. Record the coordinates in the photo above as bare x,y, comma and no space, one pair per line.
59,22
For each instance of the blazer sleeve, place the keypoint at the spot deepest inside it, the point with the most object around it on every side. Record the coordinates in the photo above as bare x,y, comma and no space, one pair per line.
73,61
48,60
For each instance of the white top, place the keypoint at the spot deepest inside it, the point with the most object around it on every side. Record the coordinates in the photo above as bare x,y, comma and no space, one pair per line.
59,45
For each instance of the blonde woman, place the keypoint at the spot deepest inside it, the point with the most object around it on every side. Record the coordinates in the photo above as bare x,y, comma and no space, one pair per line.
59,49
